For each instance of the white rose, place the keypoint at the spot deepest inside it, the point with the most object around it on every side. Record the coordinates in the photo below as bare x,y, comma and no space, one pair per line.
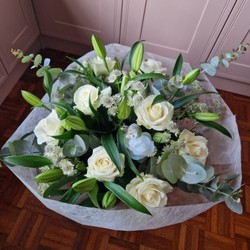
99,67
141,146
101,167
151,192
157,116
195,146
151,65
82,96
48,127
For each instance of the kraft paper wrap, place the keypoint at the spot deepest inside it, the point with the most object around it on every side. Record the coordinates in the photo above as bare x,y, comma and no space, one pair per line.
224,155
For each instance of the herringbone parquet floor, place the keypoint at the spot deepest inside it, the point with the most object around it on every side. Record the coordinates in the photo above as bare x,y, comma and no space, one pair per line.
26,224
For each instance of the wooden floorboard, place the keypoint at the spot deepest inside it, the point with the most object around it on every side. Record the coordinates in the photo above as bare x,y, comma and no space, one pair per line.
26,224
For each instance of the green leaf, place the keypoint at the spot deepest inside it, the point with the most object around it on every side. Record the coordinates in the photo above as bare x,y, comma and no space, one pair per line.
125,197
112,150
158,99
145,76
55,72
123,149
123,109
188,98
93,195
65,106
178,65
47,82
71,196
217,126
37,60
20,147
191,76
31,161
53,189
173,168
27,59
65,136
76,61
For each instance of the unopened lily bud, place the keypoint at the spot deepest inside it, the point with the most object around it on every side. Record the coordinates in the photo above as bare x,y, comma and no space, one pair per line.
85,185
206,116
123,109
98,47
108,200
191,76
137,56
31,99
159,137
49,175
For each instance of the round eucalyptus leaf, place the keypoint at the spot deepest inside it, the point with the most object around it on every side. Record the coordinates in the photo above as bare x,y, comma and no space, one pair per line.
74,147
210,173
225,63
168,173
208,68
195,171
215,61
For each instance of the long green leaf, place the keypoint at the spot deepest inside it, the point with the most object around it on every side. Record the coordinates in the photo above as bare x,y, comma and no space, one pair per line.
71,196
76,61
217,126
178,65
123,149
125,197
188,98
53,189
93,195
112,150
31,161
47,82
66,107
149,76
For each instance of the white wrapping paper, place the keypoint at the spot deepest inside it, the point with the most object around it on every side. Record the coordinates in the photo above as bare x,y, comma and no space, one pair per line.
224,155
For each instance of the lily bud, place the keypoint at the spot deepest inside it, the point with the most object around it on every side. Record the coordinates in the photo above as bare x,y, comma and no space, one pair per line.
98,47
123,109
31,99
108,200
137,56
191,76
206,116
49,175
85,185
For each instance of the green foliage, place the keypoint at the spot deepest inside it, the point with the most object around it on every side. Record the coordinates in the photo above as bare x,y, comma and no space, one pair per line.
125,197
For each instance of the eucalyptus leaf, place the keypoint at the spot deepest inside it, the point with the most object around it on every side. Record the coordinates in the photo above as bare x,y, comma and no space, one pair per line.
20,147
215,61
225,63
234,205
37,60
75,147
125,197
194,172
208,68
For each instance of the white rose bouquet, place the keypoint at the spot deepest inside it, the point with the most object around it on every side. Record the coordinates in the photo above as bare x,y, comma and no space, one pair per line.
130,135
